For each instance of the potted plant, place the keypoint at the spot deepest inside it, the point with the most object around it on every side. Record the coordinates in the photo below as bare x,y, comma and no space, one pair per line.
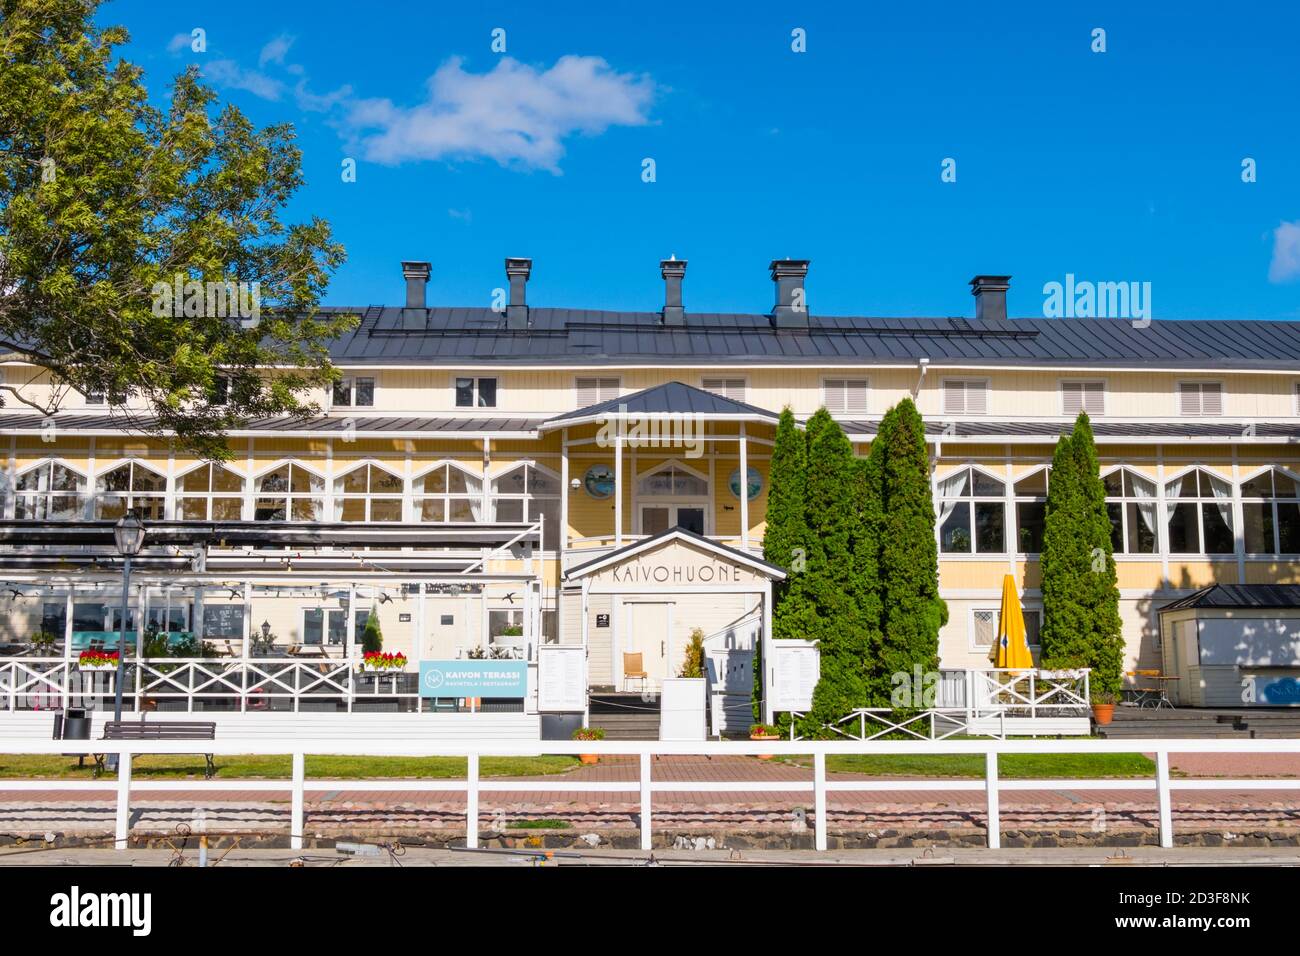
377,662
764,732
42,642
1103,707
97,660
589,733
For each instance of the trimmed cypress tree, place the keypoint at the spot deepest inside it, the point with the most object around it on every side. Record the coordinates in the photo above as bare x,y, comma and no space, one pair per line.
832,585
785,538
372,638
911,610
1081,624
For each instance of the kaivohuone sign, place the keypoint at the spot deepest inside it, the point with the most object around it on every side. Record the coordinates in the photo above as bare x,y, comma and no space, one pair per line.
675,573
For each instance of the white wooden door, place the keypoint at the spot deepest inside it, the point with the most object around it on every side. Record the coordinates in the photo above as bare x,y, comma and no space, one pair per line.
649,626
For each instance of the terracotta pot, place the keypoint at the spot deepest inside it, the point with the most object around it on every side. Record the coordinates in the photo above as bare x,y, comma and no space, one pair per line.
764,737
1103,713
589,758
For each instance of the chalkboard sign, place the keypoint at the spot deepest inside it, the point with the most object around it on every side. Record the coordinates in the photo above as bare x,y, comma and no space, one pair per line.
223,620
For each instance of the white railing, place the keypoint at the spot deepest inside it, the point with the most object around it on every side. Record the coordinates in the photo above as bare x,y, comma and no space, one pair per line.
646,786
255,684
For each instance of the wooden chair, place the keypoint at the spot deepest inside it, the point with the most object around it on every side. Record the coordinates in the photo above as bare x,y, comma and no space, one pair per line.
1148,689
634,669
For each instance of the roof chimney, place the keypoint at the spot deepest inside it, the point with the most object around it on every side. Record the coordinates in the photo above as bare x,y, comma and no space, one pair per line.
990,297
517,271
415,316
673,270
791,309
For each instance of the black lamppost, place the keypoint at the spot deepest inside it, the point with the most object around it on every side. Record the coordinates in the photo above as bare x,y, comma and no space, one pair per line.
129,534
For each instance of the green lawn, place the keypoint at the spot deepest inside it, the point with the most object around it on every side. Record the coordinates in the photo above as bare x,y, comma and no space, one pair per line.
1012,766
277,767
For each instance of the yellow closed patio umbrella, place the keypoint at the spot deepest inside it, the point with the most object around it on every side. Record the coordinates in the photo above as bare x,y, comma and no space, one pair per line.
1011,650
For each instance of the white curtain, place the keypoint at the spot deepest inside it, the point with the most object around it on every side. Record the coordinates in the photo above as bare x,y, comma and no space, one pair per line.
1145,491
1223,499
1173,491
949,489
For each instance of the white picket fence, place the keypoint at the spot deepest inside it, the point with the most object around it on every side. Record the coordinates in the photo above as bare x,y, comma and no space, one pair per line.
646,786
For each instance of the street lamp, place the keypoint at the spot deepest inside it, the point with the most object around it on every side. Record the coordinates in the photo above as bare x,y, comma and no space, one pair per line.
129,535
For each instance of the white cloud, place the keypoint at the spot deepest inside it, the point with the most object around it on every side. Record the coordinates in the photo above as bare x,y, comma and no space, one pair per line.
514,113
1286,253
230,74
274,51
179,42
319,102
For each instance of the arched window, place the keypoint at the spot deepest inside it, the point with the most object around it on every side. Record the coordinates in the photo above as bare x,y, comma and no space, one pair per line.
368,493
210,493
1131,504
673,496
51,492
1270,511
1031,510
972,513
131,486
289,493
448,493
1198,514
529,493
672,480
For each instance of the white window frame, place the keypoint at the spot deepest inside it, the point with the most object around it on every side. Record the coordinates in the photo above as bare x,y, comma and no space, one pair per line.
845,384
1017,499
1124,501
1083,384
528,497
207,496
607,388
476,379
966,384
418,497
82,497
349,382
972,500
1027,609
673,502
725,386
368,497
128,497
1199,501
1240,496
288,496
1200,399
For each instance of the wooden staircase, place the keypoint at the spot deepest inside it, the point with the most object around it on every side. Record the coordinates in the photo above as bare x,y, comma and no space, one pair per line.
1189,723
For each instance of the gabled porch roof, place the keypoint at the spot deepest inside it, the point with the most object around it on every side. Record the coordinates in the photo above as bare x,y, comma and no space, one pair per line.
723,551
670,398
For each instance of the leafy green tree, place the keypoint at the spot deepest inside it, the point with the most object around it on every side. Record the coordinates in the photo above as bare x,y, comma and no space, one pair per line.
911,610
107,200
1081,623
832,584
785,540
372,638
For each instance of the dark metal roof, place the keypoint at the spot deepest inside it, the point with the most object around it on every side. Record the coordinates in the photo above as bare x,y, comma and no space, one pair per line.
361,424
670,398
1240,596
1101,429
457,336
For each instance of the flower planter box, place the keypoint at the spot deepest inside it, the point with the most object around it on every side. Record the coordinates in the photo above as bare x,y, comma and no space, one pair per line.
371,669
96,668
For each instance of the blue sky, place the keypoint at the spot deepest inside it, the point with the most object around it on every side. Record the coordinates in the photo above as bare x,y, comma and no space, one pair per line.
1117,166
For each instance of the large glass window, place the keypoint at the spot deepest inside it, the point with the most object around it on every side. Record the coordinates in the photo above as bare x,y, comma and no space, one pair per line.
972,513
50,492
1031,508
1131,504
449,494
210,493
368,493
529,493
1198,514
130,486
289,493
673,481
1270,511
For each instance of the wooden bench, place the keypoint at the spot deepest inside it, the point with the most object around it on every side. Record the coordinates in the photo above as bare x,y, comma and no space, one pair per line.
163,730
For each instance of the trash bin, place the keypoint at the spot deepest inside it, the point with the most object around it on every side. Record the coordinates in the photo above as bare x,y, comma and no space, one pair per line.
75,725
